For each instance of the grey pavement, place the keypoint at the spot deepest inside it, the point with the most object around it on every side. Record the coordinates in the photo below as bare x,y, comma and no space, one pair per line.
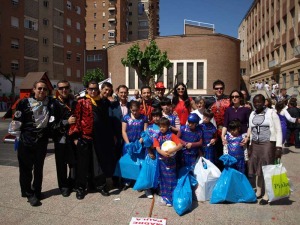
120,207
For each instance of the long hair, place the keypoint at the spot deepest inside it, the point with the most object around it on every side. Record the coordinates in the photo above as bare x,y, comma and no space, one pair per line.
185,97
241,97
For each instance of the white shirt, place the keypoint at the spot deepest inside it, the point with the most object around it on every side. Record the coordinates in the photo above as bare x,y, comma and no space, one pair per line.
213,121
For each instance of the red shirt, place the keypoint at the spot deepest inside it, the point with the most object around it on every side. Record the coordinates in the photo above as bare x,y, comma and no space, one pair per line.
182,112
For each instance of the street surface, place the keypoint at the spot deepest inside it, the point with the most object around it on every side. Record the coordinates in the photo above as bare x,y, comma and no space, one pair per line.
120,207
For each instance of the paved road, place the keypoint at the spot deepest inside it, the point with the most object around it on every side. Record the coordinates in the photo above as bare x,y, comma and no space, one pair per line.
121,206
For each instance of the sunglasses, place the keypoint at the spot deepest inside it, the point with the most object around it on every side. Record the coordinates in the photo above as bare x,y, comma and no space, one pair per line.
235,96
42,88
93,89
64,87
180,89
220,88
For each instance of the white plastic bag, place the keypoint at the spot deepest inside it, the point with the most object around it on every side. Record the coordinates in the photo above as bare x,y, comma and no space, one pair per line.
277,183
206,177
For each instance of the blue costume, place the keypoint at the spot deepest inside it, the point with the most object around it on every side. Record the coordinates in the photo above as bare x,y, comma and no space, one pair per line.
237,151
283,123
171,118
209,131
189,156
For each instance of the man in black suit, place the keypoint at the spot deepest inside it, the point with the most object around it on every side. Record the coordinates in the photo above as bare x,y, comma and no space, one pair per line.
117,111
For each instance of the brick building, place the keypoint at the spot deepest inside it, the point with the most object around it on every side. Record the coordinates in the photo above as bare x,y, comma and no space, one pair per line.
270,49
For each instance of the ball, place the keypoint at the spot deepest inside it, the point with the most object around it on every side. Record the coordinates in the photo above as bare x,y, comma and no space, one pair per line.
168,145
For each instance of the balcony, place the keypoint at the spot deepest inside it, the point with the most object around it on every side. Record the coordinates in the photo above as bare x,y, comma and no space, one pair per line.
274,64
111,28
112,7
297,51
112,18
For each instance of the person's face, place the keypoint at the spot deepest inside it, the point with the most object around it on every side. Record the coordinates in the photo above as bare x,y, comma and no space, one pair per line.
166,108
180,90
160,92
163,128
219,90
105,92
135,111
244,94
206,119
258,104
156,119
192,126
122,94
200,105
283,92
235,132
136,94
146,94
63,90
93,90
235,98
40,91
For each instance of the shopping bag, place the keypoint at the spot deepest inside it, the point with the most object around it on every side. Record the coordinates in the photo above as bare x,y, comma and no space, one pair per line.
148,177
207,174
128,168
182,195
232,186
277,183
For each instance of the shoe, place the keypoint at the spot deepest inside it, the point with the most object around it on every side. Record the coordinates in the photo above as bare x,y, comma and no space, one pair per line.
148,193
33,200
259,197
263,202
104,192
287,145
65,192
80,194
169,205
126,186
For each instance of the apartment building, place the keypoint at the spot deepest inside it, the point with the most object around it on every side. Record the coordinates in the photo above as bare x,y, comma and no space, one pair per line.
270,49
42,35
111,21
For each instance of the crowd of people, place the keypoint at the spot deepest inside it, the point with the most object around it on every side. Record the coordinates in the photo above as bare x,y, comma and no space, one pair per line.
93,132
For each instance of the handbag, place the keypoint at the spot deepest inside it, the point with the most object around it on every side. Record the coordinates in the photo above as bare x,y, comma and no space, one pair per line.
277,184
207,174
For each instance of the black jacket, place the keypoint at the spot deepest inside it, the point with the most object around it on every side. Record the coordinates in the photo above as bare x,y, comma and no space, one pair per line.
295,113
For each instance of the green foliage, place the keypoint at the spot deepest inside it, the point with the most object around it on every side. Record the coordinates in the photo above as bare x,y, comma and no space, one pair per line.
147,64
96,75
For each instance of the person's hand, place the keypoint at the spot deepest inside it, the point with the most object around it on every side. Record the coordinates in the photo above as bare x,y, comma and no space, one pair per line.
175,113
171,151
76,141
244,141
188,145
224,141
278,153
141,140
212,141
72,119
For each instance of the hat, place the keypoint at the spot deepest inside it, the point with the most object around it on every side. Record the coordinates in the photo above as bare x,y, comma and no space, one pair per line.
160,85
193,118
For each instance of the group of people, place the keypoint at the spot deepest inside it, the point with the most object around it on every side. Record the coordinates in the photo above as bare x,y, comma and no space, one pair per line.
93,132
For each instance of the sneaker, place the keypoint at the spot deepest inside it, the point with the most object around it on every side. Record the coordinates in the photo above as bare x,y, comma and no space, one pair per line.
148,193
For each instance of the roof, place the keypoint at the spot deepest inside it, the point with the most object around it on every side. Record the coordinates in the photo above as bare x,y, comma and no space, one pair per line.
32,77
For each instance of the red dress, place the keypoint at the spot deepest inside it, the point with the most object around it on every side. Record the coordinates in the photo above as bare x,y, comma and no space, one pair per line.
182,112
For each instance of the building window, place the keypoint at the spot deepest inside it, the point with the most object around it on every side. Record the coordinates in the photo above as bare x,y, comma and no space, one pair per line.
45,22
95,4
15,2
14,65
103,36
45,41
141,8
95,37
170,75
179,72
130,23
143,24
94,58
292,78
78,10
45,3
130,13
14,43
111,34
77,25
69,72
284,80
69,38
69,5
103,46
78,41
130,32
131,79
78,56
200,75
30,24
69,23
78,73
130,4
95,26
69,55
103,4
45,59
103,25
14,22
284,52
190,75
103,14
95,15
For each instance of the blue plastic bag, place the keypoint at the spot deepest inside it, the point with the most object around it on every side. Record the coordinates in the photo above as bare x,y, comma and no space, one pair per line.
128,168
132,148
148,177
232,186
147,140
182,195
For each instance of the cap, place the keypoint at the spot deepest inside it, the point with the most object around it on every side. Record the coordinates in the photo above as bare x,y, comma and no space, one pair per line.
160,85
193,118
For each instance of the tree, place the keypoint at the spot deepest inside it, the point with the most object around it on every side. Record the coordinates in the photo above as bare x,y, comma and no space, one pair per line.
147,64
96,75
11,77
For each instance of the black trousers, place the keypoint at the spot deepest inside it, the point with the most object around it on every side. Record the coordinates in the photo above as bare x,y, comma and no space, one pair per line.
31,158
88,167
64,159
296,132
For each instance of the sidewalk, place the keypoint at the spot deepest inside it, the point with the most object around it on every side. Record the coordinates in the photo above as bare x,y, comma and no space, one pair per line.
121,206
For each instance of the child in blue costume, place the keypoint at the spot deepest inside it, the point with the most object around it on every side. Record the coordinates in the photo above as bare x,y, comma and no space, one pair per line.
234,147
191,138
152,131
167,111
209,136
167,161
133,125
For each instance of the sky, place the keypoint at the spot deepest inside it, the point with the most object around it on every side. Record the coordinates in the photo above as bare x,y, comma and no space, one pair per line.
226,15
